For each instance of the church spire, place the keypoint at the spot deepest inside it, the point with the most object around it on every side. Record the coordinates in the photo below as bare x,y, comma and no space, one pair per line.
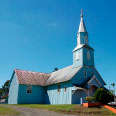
82,35
82,27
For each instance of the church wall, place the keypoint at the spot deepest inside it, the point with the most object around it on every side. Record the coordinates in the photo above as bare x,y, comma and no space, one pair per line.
78,62
61,97
13,91
88,57
80,78
36,97
77,96
99,77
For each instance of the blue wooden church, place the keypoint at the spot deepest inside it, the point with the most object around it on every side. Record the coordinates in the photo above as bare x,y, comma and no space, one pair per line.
69,85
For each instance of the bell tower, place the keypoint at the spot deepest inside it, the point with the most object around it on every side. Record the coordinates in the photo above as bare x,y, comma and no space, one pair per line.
83,54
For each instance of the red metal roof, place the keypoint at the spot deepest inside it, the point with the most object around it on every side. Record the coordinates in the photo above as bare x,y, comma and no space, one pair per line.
31,78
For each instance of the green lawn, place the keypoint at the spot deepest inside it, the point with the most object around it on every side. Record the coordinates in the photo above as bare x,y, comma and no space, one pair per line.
4,111
73,109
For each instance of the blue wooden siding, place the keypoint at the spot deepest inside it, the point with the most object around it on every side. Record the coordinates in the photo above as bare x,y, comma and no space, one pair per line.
79,77
61,97
36,97
78,62
86,61
13,91
83,60
77,95
83,37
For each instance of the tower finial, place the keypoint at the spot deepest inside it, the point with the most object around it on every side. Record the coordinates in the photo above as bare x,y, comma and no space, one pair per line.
81,13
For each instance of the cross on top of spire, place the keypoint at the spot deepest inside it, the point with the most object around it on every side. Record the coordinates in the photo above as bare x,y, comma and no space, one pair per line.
81,13
82,27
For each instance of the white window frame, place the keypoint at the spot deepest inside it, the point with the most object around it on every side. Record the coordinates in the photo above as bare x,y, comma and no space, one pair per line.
27,87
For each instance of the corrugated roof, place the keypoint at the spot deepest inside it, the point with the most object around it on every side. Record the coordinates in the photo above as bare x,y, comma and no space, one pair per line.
37,78
62,75
31,78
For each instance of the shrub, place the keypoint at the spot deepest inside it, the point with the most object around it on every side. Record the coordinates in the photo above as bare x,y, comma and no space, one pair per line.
103,96
89,99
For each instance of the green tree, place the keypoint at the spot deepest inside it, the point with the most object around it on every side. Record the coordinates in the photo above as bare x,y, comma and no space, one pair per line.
1,92
5,88
103,96
55,69
113,84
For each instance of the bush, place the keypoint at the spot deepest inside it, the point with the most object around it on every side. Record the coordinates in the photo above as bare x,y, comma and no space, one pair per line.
103,96
89,99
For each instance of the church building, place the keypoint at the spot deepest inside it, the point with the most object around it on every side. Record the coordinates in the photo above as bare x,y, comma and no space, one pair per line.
69,85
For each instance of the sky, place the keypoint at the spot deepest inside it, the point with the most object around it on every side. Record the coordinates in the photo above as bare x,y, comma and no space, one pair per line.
39,35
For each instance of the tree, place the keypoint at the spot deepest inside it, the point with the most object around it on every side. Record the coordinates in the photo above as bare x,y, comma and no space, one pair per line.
5,89
113,84
1,92
103,96
55,69
89,99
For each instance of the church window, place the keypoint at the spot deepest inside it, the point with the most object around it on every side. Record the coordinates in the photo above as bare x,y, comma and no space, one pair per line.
77,56
58,88
85,73
88,55
65,88
29,89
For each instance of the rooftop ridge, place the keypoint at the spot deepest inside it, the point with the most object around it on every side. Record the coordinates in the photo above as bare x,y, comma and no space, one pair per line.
31,71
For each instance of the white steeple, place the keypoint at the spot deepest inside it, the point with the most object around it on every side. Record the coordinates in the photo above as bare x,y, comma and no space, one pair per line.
82,35
82,27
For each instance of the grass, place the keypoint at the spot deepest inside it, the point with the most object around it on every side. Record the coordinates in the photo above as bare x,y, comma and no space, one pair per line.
4,111
72,109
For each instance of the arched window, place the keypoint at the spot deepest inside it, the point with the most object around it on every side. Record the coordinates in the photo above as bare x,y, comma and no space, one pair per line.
77,56
88,55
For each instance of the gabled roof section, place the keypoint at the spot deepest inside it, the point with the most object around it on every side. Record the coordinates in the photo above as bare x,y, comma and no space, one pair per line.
31,78
82,46
62,75
88,81
94,78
